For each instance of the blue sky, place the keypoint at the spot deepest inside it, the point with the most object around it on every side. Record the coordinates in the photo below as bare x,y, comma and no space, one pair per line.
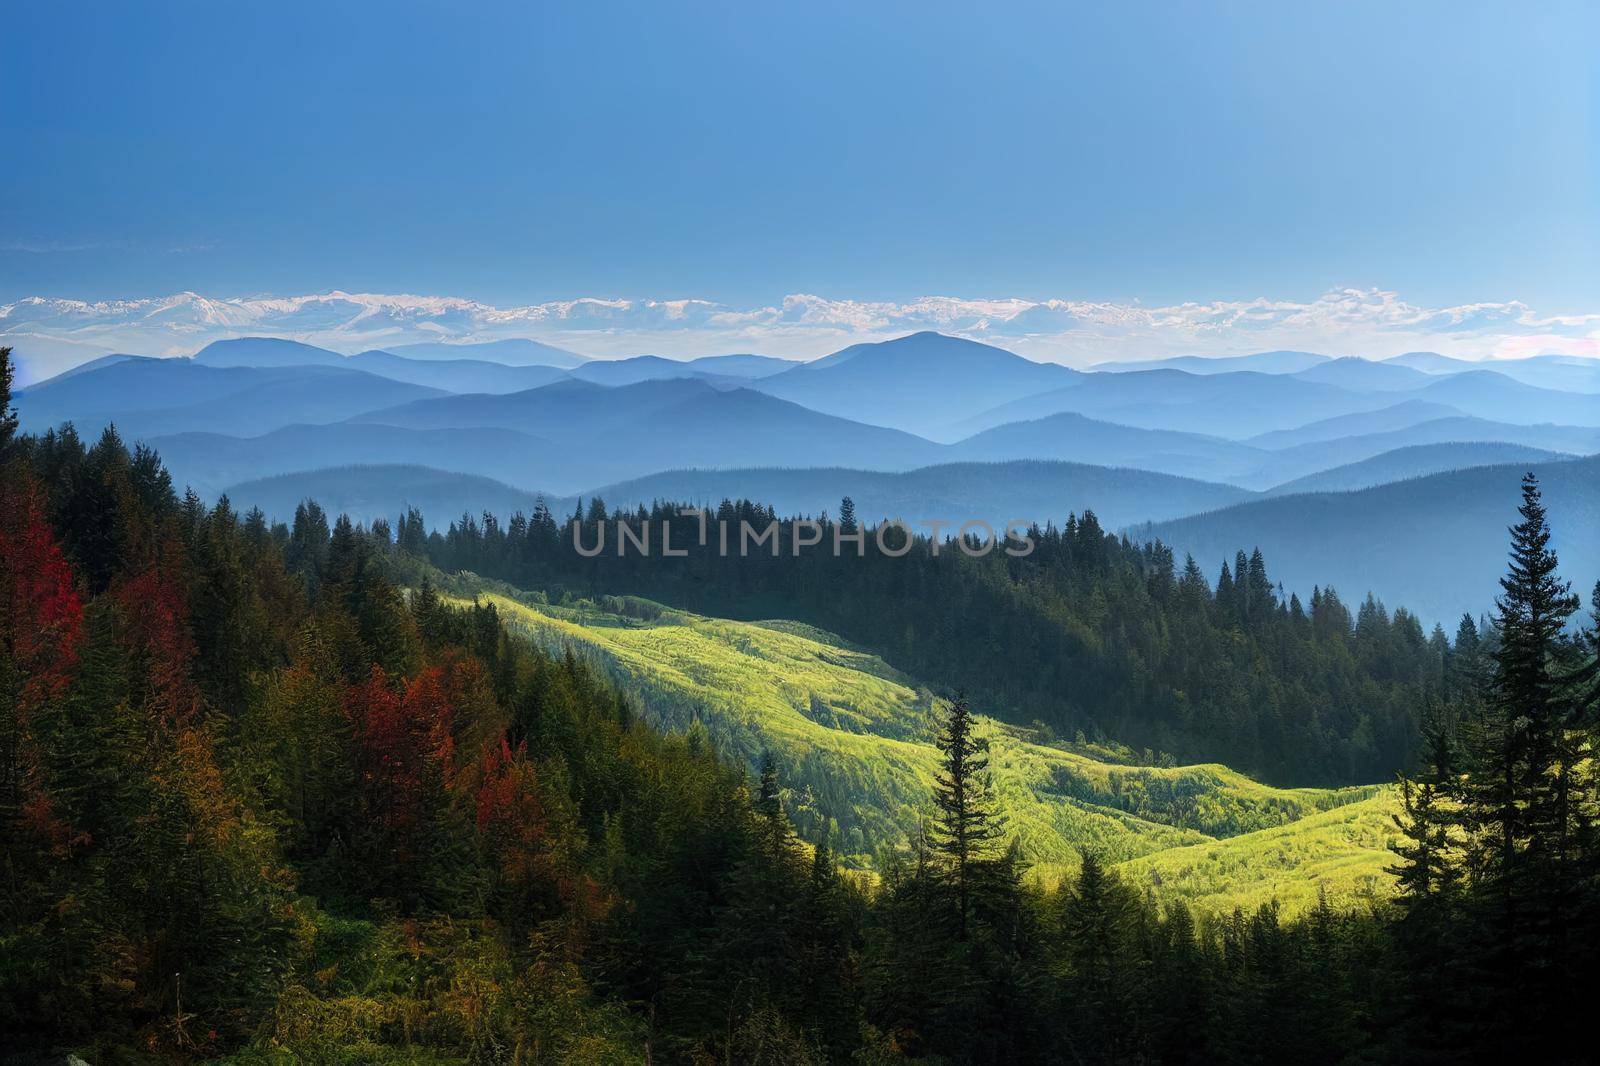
740,152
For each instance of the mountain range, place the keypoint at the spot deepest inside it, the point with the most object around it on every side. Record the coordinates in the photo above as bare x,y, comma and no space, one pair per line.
924,426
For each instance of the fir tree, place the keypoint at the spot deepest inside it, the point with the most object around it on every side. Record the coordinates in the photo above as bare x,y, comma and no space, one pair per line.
967,824
8,414
847,516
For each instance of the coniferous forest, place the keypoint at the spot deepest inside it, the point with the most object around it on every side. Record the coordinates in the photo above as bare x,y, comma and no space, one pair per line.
265,799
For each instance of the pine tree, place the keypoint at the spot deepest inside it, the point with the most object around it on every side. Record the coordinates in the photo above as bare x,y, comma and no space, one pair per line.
967,824
8,414
1520,806
847,516
775,832
1428,869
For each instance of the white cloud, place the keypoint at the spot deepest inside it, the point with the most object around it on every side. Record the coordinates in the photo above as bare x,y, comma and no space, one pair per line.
1348,321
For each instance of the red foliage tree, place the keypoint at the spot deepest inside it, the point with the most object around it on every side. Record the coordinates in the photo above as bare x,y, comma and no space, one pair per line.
41,632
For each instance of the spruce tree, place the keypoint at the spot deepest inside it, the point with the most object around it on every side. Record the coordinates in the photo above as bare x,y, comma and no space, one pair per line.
967,824
1520,804
847,515
8,414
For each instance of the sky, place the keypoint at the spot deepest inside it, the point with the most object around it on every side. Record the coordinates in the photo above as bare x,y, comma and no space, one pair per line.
1141,156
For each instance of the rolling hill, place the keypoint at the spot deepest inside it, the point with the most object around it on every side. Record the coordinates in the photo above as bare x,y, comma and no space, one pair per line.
1486,394
1363,374
1569,372
456,375
1233,405
855,738
211,462
1435,544
722,368
1288,464
1078,438
612,434
1415,461
995,492
151,397
516,351
382,491
265,351
1277,362
563,409
1402,415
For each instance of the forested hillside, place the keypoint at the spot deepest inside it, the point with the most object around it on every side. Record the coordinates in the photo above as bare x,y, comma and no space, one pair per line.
1088,633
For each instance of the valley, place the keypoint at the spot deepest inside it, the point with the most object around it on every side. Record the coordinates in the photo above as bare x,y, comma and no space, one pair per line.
855,740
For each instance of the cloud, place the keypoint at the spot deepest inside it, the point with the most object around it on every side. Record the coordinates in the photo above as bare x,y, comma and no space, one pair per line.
1347,321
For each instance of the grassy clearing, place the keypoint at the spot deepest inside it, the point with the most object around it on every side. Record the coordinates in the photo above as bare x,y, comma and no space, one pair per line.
856,742
1342,852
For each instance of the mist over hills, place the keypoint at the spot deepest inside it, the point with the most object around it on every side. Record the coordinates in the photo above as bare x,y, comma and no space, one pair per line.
1399,416
515,351
728,368
1078,438
151,397
1413,461
368,493
1281,362
1031,490
1234,405
211,462
1563,372
456,375
1287,464
925,425
1435,545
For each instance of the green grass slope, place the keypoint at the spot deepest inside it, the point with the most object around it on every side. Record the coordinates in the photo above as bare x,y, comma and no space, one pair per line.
856,742
1342,852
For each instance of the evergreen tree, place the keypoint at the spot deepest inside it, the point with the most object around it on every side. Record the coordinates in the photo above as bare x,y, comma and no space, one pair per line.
8,414
1520,804
847,516
966,825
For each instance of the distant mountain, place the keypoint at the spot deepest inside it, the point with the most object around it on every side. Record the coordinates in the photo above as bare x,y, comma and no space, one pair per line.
385,491
1232,405
513,352
1363,374
609,434
741,427
1079,439
90,366
1435,544
456,375
1565,373
743,366
37,357
1286,464
265,351
565,410
718,368
921,383
1262,362
150,397
213,461
1433,362
953,492
1383,420
1415,461
632,370
1486,394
